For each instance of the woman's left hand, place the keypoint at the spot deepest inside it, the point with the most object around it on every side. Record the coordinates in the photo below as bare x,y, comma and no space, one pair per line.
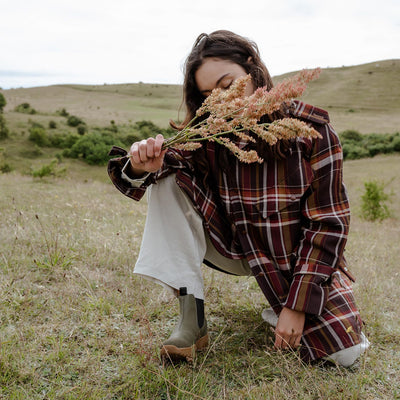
289,328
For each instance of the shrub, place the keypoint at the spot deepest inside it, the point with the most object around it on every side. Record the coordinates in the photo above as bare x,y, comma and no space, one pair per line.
63,112
3,102
52,124
48,170
131,138
3,128
147,128
93,148
351,135
380,148
376,138
69,141
374,200
81,129
62,140
357,146
36,124
59,158
396,143
352,151
5,168
57,140
33,152
39,136
25,108
74,121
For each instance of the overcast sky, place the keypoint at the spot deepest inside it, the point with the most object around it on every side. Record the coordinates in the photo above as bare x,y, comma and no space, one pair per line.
45,42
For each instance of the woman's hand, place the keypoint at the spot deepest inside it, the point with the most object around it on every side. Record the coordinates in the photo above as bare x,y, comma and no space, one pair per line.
289,328
146,155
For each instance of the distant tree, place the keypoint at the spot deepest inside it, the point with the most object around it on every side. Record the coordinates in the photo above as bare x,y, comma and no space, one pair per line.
25,108
74,121
38,135
81,129
3,125
63,112
3,102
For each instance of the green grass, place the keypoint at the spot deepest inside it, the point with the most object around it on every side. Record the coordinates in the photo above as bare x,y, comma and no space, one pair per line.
76,324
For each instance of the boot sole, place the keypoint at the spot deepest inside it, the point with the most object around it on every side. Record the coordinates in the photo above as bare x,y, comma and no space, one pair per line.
171,352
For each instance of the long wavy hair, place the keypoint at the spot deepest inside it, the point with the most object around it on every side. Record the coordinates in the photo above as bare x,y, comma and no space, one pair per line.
226,45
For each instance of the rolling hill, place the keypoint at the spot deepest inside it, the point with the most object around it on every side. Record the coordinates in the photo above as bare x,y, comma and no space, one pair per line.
363,97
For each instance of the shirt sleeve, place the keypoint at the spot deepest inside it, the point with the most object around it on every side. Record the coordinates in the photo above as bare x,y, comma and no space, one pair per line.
135,188
327,215
135,182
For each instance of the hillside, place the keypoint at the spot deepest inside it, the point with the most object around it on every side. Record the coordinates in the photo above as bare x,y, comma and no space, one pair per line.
363,97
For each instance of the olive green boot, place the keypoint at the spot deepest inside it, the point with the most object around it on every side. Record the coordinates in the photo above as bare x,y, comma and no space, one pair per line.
190,333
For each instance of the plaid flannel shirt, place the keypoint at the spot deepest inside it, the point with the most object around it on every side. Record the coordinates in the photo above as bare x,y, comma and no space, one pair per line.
289,218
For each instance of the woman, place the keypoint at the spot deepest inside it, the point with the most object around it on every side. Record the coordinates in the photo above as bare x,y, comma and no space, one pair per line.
284,221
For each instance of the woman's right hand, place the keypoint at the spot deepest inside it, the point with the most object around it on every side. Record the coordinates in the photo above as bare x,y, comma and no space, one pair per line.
146,155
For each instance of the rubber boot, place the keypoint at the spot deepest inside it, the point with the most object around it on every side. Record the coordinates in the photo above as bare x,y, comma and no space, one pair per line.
190,333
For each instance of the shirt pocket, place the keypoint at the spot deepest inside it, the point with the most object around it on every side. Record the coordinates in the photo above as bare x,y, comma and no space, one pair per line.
284,205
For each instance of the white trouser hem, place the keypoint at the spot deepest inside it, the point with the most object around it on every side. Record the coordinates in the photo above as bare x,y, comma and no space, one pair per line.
347,357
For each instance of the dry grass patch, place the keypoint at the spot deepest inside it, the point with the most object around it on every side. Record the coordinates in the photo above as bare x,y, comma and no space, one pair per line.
75,323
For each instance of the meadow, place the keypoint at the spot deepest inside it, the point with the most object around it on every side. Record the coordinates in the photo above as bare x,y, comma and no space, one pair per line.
76,324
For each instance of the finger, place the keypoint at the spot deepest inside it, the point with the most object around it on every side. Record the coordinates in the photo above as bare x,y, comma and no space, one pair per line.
280,341
134,154
158,145
297,343
150,147
291,338
143,151
292,341
285,342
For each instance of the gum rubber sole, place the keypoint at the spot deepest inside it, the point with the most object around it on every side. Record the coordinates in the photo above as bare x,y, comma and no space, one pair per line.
173,353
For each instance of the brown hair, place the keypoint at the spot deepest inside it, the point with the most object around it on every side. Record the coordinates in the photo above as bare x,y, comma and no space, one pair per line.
224,45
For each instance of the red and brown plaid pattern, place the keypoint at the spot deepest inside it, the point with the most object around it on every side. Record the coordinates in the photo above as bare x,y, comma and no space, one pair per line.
289,218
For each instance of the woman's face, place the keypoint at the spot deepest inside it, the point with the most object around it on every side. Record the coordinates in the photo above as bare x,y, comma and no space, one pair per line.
218,73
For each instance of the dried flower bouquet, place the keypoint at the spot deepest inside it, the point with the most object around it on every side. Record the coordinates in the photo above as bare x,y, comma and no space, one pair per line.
230,112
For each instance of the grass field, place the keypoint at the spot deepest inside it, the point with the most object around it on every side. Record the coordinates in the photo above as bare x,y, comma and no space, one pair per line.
76,324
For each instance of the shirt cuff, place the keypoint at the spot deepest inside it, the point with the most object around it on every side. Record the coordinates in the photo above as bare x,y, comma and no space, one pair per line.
135,182
308,293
